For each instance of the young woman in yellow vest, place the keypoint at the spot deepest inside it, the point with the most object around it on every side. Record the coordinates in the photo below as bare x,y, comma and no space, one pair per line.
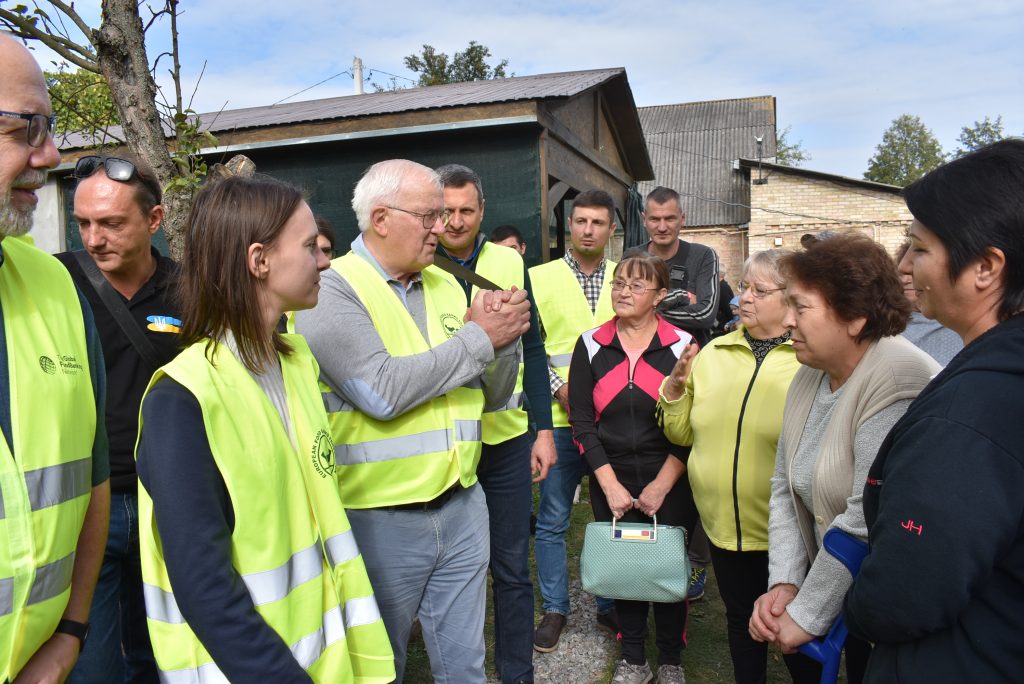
249,566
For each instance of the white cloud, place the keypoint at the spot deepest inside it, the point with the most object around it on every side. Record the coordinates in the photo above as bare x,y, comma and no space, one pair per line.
841,71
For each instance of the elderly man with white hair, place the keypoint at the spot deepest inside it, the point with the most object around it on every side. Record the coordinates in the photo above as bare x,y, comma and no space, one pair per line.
406,373
54,472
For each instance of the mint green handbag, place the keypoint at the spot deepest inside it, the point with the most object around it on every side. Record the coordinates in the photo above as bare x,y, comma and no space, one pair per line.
635,561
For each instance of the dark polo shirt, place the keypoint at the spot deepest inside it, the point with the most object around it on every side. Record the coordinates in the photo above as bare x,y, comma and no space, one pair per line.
127,374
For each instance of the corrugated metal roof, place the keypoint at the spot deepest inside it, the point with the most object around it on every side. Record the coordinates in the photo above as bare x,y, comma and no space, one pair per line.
693,146
540,87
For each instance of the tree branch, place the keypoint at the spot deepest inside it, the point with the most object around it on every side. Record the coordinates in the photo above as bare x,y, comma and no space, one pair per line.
23,27
70,13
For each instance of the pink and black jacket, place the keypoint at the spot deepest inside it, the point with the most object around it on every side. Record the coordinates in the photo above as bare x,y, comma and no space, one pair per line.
612,414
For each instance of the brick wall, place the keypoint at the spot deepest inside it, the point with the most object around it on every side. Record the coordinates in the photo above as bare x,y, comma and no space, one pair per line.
879,214
730,242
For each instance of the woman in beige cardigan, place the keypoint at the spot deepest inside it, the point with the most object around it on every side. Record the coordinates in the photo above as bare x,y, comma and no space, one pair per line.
858,375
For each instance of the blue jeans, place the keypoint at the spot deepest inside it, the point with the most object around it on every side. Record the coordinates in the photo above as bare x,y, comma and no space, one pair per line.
118,615
432,565
556,494
505,477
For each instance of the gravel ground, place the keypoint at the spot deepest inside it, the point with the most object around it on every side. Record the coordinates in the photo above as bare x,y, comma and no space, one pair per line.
583,652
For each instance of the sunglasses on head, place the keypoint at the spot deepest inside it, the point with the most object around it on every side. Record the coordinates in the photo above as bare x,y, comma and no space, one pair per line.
117,169
120,170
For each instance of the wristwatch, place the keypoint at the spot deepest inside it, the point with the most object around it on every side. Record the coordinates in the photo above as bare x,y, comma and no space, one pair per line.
79,630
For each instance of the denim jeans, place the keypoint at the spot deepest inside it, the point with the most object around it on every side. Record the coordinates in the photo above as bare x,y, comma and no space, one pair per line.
432,565
556,494
505,477
117,618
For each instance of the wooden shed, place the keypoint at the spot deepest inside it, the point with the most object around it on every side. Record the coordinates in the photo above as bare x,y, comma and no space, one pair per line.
536,142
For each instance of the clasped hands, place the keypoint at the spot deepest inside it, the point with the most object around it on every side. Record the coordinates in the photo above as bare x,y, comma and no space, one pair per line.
503,314
620,501
771,622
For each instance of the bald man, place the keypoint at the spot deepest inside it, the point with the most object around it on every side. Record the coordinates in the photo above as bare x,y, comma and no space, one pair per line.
54,474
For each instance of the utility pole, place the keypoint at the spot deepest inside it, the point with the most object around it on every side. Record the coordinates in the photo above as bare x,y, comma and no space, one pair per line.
357,74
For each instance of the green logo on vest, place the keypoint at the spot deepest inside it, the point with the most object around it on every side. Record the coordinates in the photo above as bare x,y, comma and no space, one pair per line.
451,324
323,454
47,364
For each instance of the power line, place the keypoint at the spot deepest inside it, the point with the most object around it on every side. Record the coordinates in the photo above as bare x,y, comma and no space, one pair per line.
329,78
346,72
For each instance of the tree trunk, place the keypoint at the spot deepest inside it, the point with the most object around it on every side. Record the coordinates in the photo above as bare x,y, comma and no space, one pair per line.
121,55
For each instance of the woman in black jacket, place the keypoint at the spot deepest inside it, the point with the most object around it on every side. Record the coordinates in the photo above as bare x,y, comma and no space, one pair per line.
616,372
941,592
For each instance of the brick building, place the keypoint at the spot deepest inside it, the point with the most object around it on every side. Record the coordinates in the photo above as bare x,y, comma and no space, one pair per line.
787,202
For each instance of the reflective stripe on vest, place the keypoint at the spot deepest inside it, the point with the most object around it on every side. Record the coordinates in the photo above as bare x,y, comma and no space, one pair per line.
46,467
56,484
565,314
419,454
504,266
418,444
285,499
51,580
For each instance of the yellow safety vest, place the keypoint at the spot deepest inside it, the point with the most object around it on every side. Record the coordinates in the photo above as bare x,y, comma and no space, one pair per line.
565,314
418,455
291,544
45,485
504,267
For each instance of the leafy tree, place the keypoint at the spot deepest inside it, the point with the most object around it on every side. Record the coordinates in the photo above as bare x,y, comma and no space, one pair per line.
908,151
471,64
789,153
116,50
984,132
82,102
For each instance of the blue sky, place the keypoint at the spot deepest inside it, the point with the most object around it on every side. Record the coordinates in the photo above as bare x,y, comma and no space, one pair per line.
841,72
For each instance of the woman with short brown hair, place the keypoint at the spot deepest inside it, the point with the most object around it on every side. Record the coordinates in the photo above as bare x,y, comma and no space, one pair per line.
858,376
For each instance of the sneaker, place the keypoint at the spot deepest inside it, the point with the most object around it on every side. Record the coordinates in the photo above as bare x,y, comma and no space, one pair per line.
671,674
626,673
698,578
609,622
545,638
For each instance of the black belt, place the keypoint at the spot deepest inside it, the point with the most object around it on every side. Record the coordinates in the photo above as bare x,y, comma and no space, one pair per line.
435,503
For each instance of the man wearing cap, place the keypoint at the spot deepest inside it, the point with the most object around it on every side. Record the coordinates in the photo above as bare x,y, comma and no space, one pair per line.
117,208
54,474
508,458
407,373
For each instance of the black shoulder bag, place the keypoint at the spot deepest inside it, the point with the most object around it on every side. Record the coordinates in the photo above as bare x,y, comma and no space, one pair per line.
117,309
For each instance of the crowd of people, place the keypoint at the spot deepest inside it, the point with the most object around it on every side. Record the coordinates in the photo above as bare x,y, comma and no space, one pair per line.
269,463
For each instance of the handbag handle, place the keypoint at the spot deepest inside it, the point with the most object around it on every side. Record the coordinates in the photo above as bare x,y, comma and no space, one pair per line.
654,532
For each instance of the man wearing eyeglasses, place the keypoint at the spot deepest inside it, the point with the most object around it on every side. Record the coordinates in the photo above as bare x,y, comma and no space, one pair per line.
127,283
407,372
508,456
53,456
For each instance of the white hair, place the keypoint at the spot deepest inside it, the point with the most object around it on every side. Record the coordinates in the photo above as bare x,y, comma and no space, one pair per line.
382,183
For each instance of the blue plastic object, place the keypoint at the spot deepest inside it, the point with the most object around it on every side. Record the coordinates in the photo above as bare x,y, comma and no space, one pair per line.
828,649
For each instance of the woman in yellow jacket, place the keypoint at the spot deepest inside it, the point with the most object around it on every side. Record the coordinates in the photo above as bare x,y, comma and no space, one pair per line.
727,402
250,570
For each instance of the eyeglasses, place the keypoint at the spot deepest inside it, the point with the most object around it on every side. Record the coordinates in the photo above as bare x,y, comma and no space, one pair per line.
429,218
758,292
636,288
39,126
117,169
